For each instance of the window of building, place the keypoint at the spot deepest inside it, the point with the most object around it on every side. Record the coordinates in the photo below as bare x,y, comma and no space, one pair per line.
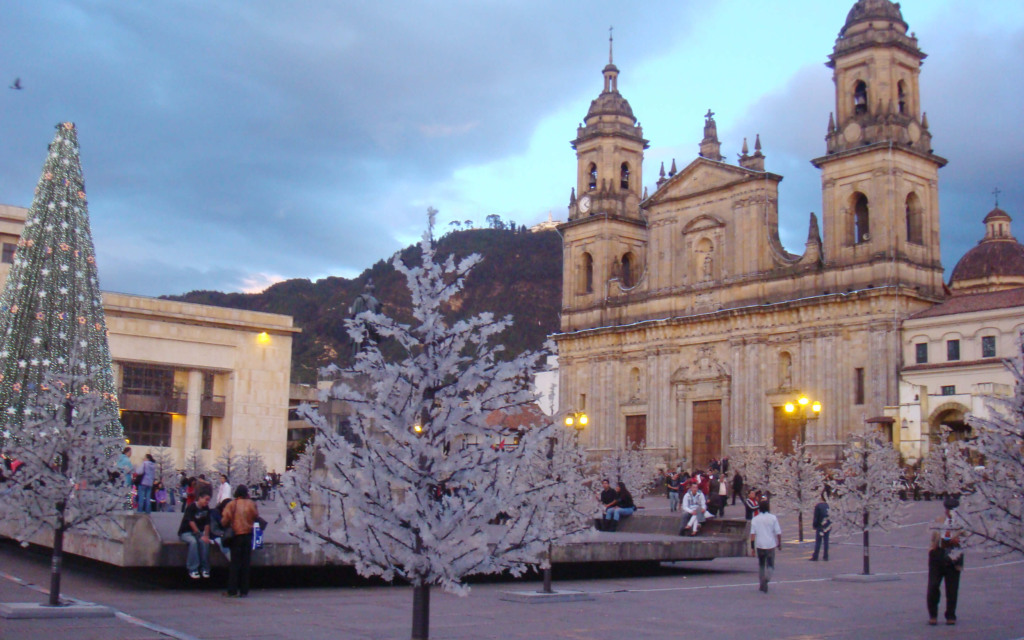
915,220
9,251
147,429
148,380
858,385
583,402
860,98
949,390
921,352
207,433
861,219
588,273
624,176
208,379
988,347
627,270
952,350
592,184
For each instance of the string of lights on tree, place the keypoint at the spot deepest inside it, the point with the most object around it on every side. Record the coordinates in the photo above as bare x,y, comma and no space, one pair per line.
51,309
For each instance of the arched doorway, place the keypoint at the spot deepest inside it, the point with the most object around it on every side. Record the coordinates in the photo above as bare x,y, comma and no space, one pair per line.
951,415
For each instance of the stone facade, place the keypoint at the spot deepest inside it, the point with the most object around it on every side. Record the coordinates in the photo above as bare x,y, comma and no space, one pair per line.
685,323
194,377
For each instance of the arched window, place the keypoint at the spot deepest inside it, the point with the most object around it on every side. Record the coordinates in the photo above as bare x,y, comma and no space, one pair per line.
624,176
860,98
588,273
901,91
627,270
915,220
861,219
593,177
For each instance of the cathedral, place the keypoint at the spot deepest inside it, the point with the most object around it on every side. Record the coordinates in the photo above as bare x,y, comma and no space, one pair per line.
687,327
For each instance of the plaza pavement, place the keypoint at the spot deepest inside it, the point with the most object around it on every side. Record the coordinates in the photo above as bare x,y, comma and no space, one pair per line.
717,599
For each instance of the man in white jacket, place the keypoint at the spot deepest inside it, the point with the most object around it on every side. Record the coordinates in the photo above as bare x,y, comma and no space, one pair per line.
223,491
696,507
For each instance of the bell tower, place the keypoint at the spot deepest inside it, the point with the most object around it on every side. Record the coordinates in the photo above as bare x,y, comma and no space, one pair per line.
879,175
605,238
609,154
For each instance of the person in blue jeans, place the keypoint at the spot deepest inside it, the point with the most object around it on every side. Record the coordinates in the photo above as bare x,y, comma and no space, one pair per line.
147,471
623,507
822,525
195,532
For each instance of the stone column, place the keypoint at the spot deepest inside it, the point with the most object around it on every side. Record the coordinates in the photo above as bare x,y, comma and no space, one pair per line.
192,422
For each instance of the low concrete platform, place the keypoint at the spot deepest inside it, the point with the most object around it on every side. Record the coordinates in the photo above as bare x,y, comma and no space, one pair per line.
140,540
34,610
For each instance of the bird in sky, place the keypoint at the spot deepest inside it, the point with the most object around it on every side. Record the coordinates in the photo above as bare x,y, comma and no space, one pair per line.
17,84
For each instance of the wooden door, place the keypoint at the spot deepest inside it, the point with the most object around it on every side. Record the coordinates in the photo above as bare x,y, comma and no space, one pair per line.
707,433
636,431
787,427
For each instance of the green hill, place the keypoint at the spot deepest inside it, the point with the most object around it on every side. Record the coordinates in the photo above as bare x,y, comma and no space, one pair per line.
520,274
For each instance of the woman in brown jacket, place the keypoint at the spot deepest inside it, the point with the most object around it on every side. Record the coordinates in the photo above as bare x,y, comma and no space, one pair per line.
240,514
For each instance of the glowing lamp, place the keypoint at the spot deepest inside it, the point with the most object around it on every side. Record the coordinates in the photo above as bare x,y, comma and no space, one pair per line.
803,401
569,421
583,420
790,408
417,429
263,338
816,407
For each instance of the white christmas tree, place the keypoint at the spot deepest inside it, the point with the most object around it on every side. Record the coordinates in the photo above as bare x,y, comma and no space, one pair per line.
761,468
68,456
943,469
994,510
195,466
868,498
633,466
409,493
799,483
227,462
251,467
164,459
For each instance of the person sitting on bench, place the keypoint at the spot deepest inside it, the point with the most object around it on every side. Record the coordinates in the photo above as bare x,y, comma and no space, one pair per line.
695,507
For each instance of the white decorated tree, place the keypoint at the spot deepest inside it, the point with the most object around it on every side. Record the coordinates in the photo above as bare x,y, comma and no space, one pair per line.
762,469
251,467
943,469
68,456
227,462
633,466
411,491
868,498
994,508
195,466
799,483
163,457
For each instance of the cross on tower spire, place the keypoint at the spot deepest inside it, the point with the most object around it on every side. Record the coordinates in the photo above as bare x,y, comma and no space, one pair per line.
996,193
610,44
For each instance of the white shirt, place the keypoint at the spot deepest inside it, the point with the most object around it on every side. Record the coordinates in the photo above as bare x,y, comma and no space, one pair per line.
765,529
693,500
223,493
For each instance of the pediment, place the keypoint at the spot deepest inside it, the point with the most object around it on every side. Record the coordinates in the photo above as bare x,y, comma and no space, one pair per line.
703,175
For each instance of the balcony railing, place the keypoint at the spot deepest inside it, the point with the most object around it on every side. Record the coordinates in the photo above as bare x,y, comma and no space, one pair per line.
212,406
152,401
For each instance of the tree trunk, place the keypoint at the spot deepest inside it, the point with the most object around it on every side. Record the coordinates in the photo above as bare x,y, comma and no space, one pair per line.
547,573
55,561
800,524
421,612
867,548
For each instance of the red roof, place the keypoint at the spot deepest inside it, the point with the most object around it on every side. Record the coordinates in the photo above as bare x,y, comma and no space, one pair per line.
517,419
967,303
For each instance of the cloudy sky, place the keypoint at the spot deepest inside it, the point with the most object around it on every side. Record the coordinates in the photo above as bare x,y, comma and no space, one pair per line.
230,144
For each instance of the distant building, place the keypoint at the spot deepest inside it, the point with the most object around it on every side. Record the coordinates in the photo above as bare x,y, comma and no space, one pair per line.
548,225
954,352
191,377
687,326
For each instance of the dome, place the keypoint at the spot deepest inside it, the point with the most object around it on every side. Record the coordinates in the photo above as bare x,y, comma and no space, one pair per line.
866,10
996,262
610,104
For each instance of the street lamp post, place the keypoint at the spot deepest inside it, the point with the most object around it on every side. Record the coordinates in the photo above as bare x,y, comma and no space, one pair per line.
799,408
576,420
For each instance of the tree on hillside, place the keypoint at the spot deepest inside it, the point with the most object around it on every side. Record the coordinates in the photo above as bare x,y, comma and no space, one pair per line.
67,455
994,510
634,466
418,496
942,470
868,498
800,483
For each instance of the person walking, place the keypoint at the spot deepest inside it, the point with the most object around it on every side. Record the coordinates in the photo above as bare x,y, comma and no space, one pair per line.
945,561
147,473
822,526
240,514
766,536
723,491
